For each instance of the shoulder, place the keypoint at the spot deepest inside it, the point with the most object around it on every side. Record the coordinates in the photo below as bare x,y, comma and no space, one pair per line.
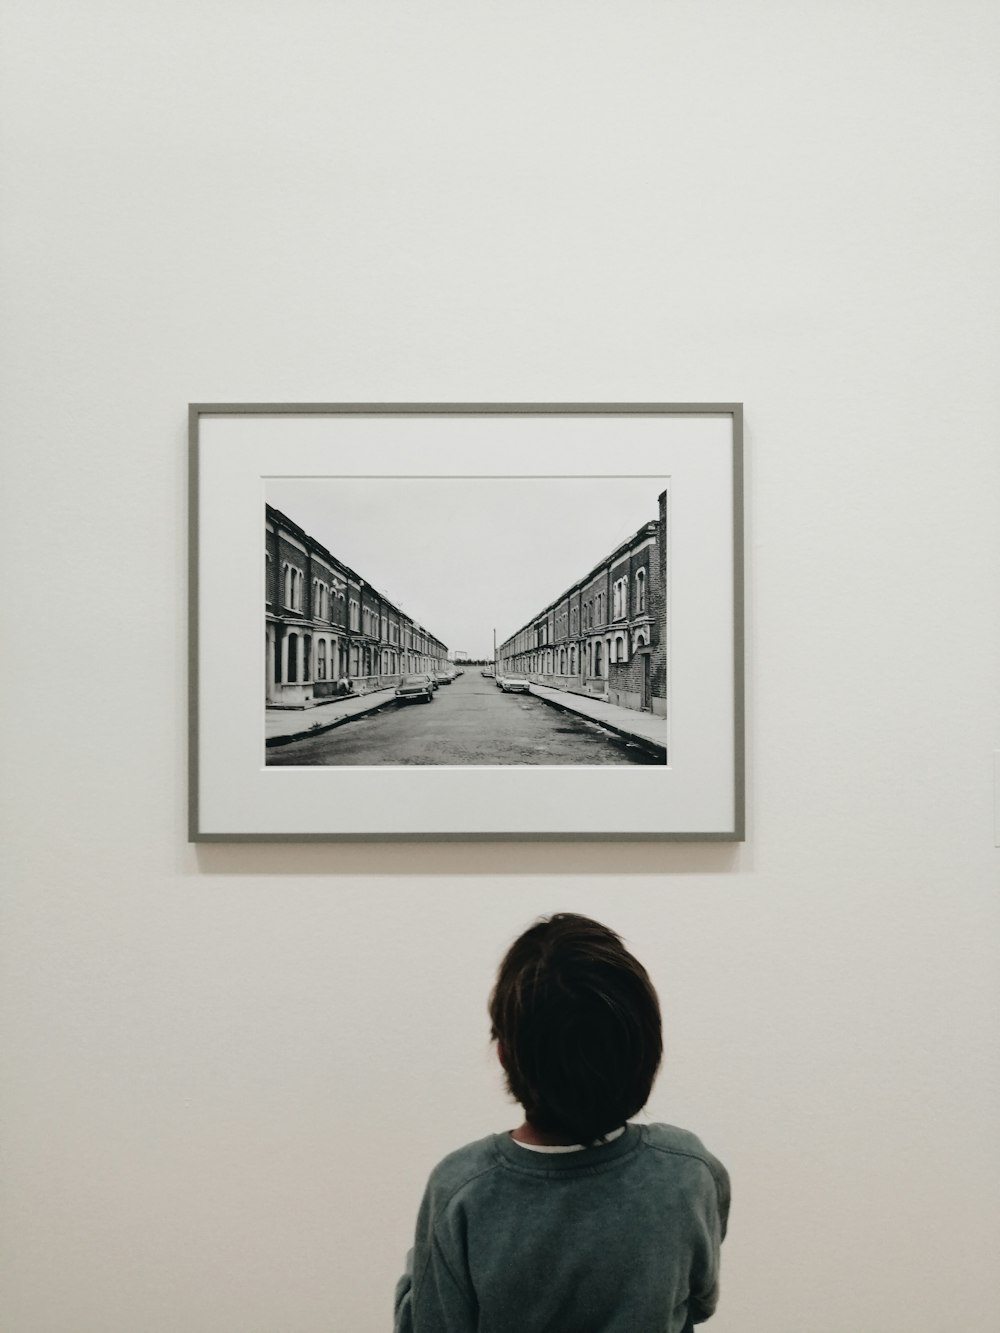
682,1145
466,1164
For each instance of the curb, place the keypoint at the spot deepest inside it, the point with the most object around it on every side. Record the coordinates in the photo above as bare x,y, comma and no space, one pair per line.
272,741
653,747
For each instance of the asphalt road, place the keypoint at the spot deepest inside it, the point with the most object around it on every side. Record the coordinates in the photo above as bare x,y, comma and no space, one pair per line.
469,722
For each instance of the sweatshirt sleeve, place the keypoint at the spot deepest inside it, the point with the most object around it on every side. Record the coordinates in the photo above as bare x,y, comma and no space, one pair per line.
435,1296
403,1303
704,1295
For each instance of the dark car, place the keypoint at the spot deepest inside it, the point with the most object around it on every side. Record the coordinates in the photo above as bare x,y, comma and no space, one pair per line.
415,688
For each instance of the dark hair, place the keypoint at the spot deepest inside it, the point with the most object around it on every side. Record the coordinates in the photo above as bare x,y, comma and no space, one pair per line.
578,1023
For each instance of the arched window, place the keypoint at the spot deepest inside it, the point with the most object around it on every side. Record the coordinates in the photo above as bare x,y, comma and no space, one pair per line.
293,587
640,592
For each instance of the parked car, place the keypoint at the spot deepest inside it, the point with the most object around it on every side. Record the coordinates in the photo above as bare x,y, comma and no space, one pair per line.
486,671
514,684
443,677
412,689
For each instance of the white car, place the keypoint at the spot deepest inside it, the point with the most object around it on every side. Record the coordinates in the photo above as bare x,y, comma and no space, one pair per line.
514,684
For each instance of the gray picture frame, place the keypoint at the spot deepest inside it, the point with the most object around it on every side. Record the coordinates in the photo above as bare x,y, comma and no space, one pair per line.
201,413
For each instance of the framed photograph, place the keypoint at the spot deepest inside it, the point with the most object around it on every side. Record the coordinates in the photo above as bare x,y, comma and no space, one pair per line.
466,621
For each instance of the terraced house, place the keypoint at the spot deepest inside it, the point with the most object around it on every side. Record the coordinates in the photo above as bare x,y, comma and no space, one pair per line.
324,624
606,635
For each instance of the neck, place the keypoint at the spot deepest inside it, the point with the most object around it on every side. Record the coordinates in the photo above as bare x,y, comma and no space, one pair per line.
527,1133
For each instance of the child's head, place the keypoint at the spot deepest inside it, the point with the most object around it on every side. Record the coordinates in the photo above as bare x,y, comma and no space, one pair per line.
578,1025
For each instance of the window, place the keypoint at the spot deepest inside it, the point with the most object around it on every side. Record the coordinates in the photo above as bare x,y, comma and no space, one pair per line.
619,592
293,580
321,660
267,576
640,592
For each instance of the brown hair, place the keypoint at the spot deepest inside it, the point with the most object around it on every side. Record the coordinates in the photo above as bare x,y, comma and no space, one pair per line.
578,1023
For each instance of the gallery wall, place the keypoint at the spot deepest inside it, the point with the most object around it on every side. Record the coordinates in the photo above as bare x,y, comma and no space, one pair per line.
227,1070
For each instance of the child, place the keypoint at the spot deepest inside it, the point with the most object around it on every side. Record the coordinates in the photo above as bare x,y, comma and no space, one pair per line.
577,1221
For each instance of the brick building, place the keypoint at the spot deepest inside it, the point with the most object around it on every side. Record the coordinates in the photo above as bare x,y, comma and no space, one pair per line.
325,623
606,635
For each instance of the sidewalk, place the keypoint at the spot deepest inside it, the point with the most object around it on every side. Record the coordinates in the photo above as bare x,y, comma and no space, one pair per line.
282,725
646,729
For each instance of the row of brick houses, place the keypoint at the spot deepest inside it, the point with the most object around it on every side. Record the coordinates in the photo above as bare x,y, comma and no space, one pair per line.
606,635
325,624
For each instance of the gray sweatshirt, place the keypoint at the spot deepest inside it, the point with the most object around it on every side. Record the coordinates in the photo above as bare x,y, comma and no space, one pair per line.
619,1238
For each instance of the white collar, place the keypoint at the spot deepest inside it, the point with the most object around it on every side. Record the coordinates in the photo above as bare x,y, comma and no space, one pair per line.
570,1147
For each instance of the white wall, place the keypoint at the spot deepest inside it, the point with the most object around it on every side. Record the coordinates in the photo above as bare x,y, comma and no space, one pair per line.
226,1071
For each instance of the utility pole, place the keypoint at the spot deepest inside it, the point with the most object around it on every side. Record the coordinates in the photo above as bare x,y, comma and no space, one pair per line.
494,650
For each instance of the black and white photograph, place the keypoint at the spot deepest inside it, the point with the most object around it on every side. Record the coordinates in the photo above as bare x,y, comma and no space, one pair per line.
466,621
478,619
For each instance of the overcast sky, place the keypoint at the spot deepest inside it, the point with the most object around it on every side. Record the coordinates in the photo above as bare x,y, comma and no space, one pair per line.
466,555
